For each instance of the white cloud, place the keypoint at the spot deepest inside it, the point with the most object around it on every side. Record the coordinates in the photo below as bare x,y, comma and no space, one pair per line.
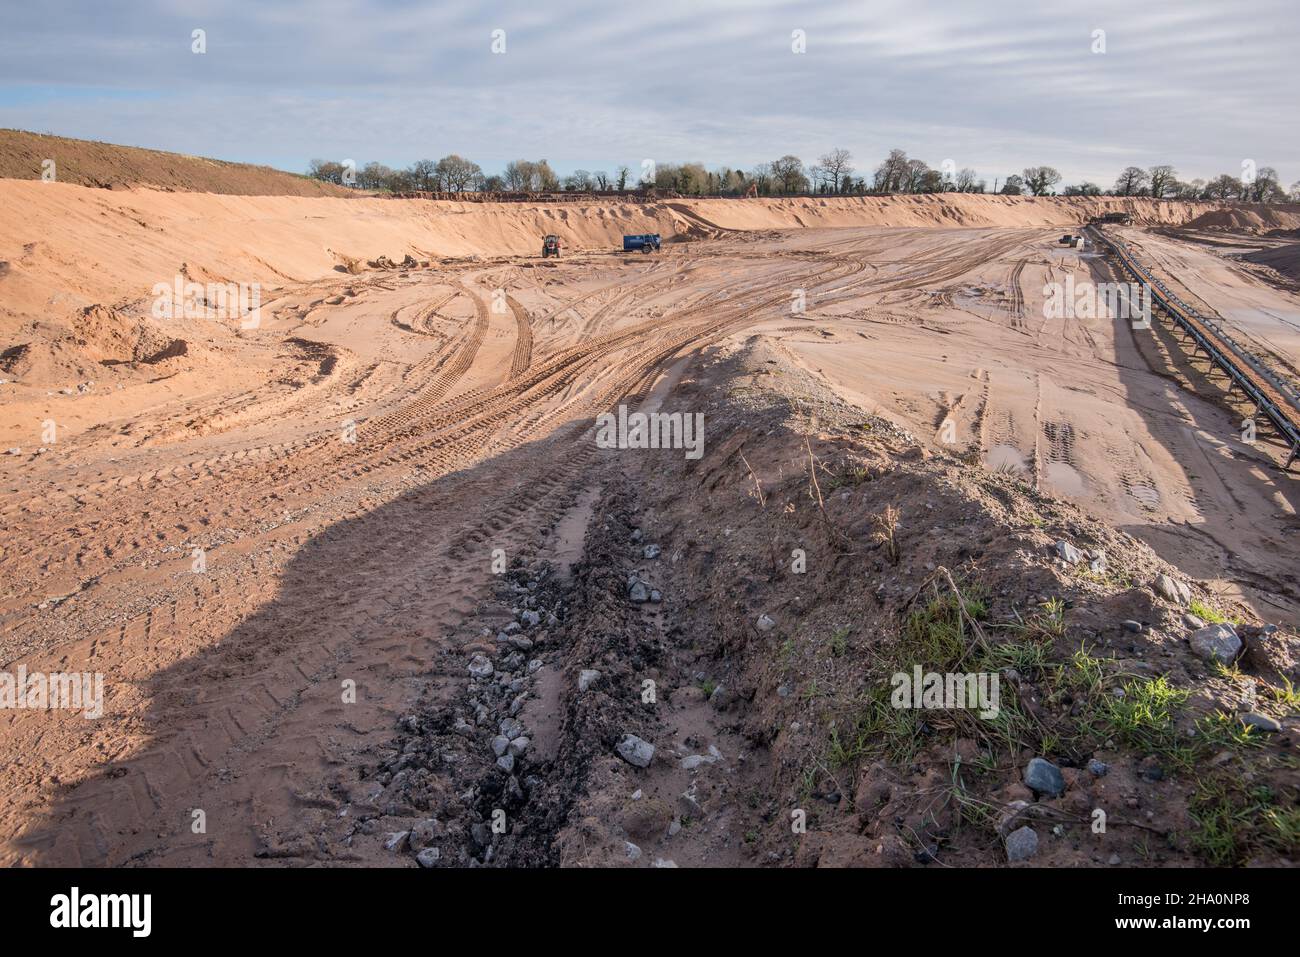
995,86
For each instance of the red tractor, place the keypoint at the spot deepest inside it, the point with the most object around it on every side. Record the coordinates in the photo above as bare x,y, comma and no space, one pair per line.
551,246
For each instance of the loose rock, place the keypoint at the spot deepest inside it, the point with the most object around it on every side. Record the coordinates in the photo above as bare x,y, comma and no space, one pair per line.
1044,777
1216,643
635,751
1022,844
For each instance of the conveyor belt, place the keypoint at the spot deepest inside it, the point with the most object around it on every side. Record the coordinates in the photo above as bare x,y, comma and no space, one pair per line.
1273,399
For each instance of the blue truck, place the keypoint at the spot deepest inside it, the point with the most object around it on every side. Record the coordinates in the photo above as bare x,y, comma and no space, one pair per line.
647,242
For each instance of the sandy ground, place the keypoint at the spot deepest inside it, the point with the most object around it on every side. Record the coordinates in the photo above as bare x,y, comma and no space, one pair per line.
232,534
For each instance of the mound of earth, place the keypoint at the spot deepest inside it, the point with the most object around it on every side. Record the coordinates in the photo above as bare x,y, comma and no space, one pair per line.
719,684
108,166
1253,218
1284,258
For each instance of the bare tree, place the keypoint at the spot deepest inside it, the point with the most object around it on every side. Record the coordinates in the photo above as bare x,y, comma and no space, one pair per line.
375,176
579,181
838,166
455,174
519,175
327,171
424,174
1014,186
965,180
761,176
789,175
1223,186
544,177
916,176
1131,181
1041,179
1162,179
891,175
1265,188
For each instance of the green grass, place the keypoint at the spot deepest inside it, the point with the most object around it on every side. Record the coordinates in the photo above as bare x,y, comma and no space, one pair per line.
1142,716
1234,821
1092,706
1208,614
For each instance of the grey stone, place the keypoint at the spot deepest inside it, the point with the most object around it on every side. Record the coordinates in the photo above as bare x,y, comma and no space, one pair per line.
1068,553
635,751
638,591
766,623
1098,769
1022,844
425,834
396,840
499,745
1262,722
506,763
519,746
1044,777
587,677
650,551
428,857
1216,643
1172,590
1133,626
632,851
480,667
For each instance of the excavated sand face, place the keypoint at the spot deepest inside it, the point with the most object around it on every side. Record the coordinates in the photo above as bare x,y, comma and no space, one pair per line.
233,532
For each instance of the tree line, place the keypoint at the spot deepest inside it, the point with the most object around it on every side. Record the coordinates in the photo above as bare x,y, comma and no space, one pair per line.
833,174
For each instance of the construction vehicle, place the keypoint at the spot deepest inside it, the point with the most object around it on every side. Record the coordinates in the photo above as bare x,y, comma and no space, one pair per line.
1118,218
1065,240
647,243
551,246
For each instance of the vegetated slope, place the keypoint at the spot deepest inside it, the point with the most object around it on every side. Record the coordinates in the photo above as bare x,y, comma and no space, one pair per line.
792,573
106,165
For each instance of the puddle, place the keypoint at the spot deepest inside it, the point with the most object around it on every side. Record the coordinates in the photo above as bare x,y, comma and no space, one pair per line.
1145,495
1002,457
1064,478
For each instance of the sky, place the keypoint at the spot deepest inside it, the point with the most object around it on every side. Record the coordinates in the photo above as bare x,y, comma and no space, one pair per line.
995,86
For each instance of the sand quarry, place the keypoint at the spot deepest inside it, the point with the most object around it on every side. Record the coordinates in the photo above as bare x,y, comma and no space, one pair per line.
362,587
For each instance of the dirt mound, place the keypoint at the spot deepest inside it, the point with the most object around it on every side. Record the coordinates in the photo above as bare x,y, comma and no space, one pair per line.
1285,259
107,166
106,336
95,339
1255,218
